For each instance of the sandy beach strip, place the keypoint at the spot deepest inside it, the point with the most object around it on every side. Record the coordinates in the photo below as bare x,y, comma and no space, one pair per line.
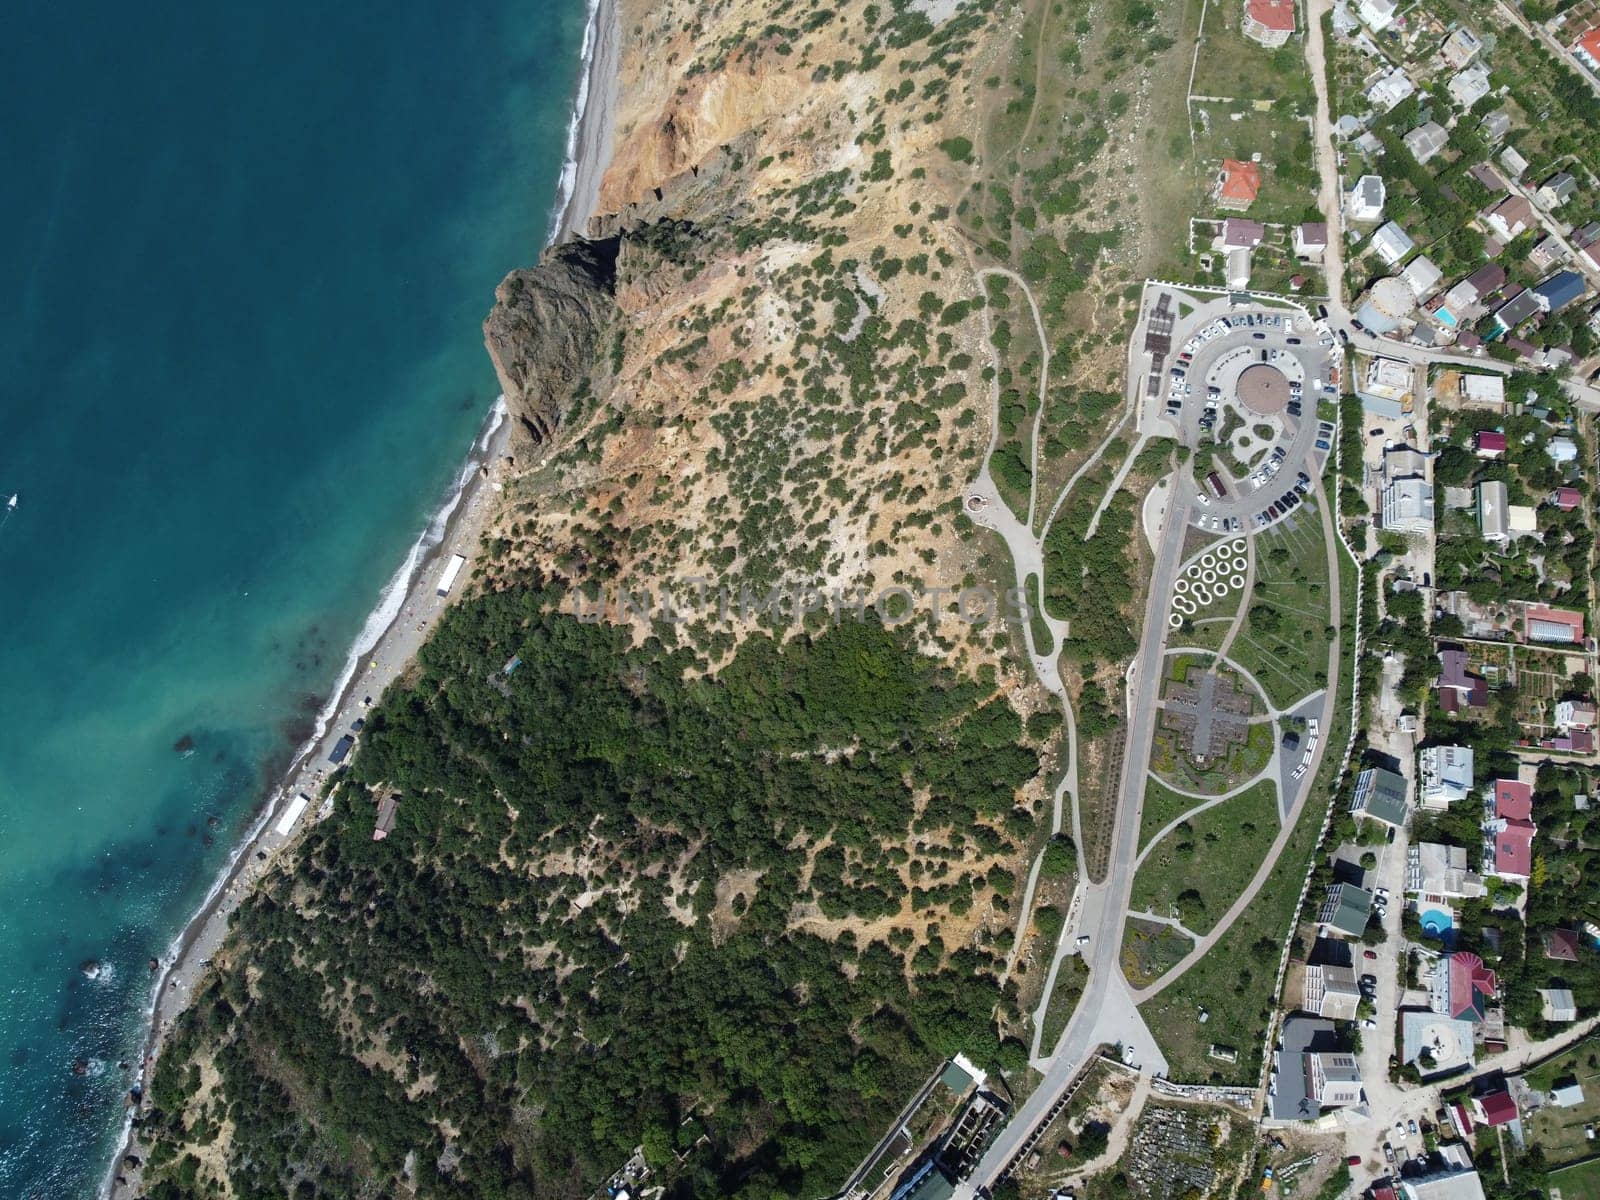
186,964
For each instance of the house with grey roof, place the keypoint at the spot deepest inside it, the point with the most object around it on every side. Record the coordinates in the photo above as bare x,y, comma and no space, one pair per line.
1495,126
1422,276
1365,199
1381,795
1426,141
1467,87
1391,243
1345,909
1557,190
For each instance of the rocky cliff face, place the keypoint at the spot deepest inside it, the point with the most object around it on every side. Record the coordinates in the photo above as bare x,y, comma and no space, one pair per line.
544,327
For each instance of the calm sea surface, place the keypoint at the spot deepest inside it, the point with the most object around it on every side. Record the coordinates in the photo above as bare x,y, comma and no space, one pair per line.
245,252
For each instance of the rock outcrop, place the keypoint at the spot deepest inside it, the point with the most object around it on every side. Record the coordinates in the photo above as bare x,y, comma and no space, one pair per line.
543,329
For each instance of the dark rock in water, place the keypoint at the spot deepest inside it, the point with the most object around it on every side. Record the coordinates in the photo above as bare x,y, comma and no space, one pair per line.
208,840
80,1066
124,1065
543,328
91,968
185,744
191,831
155,965
212,822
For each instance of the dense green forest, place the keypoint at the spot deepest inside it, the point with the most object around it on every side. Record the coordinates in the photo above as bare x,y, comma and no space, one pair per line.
534,972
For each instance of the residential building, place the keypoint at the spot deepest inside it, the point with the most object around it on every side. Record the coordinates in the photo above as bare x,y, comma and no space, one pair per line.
1446,774
1365,199
1557,190
1495,1109
1376,15
1390,89
1559,290
1511,217
1522,306
1561,450
1561,945
1452,1183
1381,795
1422,276
1331,991
1489,443
1335,1079
1557,1004
1574,714
1489,178
1568,1092
1407,506
1522,520
1559,625
1310,240
1459,689
1404,462
1426,141
387,809
1238,269
1467,87
1291,1097
1508,834
1495,126
1483,391
1391,243
1462,987
1238,185
1239,233
1460,48
1511,159
1566,498
1546,253
1269,22
1437,872
1345,909
1493,520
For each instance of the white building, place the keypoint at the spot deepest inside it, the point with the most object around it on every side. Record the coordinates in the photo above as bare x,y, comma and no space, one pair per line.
1391,88
1408,506
1422,276
1391,243
1426,141
1446,773
1377,15
1467,87
1365,199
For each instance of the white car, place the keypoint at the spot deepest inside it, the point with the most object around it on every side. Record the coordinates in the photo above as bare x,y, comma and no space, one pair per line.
1083,940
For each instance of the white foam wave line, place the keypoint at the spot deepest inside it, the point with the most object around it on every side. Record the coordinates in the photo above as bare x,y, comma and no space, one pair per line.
580,105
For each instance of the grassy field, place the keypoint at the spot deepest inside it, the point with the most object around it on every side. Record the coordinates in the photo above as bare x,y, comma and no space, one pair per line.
1070,982
1233,982
1288,181
1581,1181
1232,65
1284,642
1161,807
1244,762
1150,950
1560,1130
1202,865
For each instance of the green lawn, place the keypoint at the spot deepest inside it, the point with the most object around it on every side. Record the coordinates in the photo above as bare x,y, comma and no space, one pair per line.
1284,642
1581,1181
1233,982
1560,1130
1070,982
1203,864
1288,181
1150,950
1232,65
1161,807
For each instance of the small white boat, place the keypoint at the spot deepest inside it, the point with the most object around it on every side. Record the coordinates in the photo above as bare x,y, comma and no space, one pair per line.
12,503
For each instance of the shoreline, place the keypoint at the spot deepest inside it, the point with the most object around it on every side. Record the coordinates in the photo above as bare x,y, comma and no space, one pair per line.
393,633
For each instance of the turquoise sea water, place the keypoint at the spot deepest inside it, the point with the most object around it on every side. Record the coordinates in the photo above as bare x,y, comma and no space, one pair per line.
246,251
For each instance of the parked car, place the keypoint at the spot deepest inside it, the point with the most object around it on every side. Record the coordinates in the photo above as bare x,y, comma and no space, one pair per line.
1370,955
1411,1127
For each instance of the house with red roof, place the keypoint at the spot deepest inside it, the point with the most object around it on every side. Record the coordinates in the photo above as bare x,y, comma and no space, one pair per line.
1462,988
1269,22
1239,185
1561,945
1587,49
1566,498
1513,799
1497,1108
1489,443
1508,833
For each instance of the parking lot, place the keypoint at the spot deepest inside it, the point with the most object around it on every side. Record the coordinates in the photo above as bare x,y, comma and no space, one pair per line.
1244,381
